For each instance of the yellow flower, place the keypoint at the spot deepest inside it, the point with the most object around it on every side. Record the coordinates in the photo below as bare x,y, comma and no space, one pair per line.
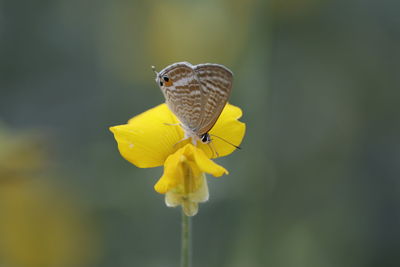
154,138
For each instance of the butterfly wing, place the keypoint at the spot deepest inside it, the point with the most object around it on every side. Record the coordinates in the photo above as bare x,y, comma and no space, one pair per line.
182,93
215,85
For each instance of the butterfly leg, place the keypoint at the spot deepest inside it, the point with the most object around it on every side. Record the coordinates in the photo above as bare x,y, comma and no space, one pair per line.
213,150
184,139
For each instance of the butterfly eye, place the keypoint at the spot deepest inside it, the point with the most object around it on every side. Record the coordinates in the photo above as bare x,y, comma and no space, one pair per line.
205,138
161,83
166,79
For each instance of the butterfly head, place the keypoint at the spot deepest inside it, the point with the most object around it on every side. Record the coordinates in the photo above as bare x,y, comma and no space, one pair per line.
205,138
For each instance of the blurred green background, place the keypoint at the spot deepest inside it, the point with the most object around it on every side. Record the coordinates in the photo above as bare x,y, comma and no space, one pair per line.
317,180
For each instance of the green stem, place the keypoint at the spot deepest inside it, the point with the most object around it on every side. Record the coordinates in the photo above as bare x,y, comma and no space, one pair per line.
185,243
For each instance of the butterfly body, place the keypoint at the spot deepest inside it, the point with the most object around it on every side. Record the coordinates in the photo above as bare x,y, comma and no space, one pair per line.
196,94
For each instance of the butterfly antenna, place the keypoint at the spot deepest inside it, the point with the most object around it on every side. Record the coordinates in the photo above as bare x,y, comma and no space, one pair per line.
226,141
154,69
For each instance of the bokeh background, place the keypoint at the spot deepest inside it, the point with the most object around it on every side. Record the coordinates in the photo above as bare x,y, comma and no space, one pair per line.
316,183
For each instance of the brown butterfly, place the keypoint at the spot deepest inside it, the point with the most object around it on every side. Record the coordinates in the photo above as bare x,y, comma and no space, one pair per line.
196,94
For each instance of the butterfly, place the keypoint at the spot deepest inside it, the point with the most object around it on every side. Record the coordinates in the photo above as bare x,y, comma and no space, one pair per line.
196,94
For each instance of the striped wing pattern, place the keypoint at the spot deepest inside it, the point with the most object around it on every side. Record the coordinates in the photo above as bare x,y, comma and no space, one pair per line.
216,85
184,96
197,94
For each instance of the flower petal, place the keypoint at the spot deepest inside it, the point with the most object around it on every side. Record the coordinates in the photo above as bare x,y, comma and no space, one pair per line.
228,128
188,162
173,174
189,202
207,165
147,140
